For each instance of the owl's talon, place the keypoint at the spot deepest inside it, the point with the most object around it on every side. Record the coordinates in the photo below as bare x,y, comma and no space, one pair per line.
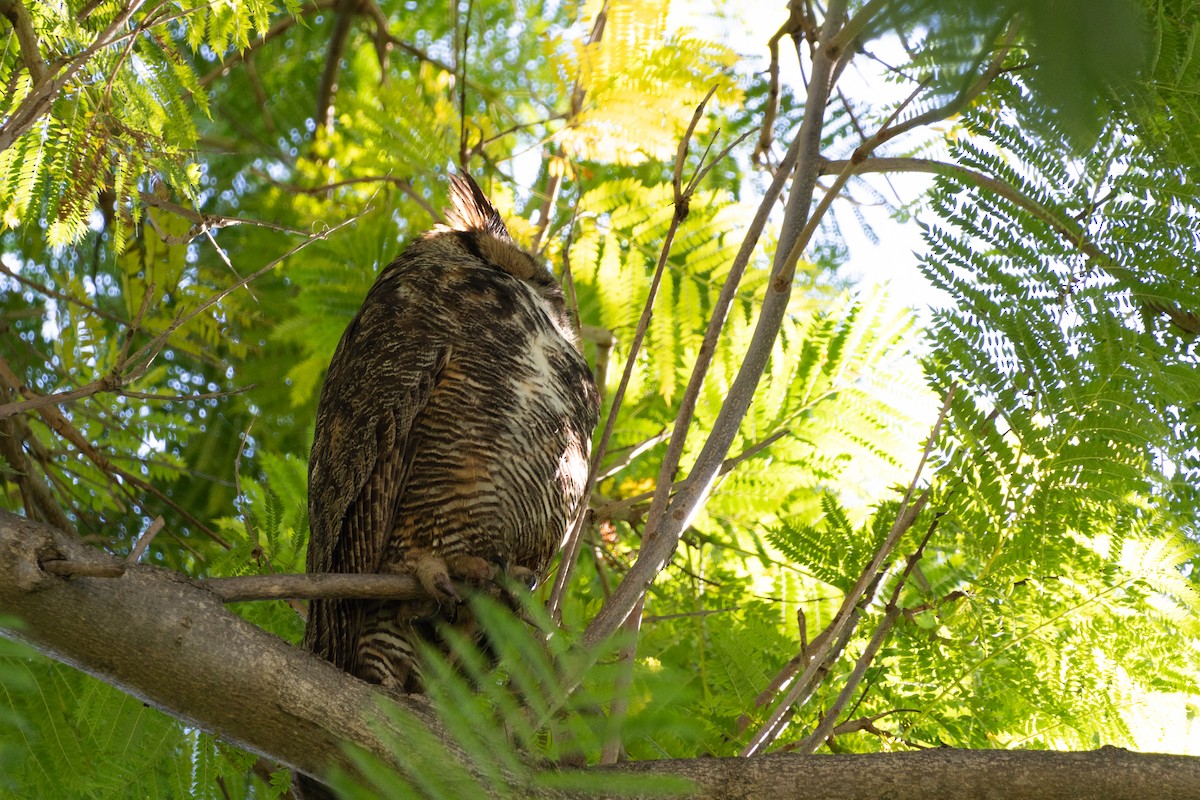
471,569
507,574
431,572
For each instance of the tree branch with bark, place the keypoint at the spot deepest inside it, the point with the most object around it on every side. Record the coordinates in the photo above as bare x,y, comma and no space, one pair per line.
169,642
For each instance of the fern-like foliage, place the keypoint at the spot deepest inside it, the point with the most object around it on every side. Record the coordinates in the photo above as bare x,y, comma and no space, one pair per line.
75,736
513,711
1070,466
627,73
124,118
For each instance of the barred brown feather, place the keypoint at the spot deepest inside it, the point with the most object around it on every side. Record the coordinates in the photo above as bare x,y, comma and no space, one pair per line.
455,420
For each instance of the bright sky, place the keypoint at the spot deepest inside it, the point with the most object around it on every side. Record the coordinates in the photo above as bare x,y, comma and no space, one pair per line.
746,25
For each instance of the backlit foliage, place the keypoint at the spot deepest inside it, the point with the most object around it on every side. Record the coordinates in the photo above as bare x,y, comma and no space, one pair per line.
1054,589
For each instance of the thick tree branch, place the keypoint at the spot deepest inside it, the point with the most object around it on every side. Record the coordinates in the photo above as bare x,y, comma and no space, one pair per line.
160,637
942,774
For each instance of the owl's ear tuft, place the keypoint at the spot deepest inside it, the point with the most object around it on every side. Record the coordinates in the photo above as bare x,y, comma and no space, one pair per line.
470,210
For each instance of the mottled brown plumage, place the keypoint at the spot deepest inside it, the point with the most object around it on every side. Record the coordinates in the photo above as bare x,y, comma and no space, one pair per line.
452,433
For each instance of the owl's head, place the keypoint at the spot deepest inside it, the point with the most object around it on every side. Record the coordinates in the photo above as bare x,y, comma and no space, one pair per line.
478,225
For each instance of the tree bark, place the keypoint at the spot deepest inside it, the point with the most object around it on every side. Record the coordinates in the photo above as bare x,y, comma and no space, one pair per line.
1109,773
166,640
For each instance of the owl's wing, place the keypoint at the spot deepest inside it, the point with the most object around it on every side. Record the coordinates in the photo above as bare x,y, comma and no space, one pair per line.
380,379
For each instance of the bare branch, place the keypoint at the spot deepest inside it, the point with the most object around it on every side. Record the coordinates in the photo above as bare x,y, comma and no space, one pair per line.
969,93
37,496
27,39
145,539
204,223
682,197
283,586
557,167
798,22
155,635
343,17
1069,229
151,349
620,509
666,523
884,627
842,625
57,295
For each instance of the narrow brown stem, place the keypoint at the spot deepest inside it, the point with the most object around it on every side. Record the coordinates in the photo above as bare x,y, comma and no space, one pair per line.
27,38
892,613
145,539
843,625
666,523
612,749
554,177
619,509
969,93
343,18
57,295
682,199
150,350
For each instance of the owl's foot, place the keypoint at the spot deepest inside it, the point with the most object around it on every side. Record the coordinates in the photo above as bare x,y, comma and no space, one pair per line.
435,574
432,573
471,569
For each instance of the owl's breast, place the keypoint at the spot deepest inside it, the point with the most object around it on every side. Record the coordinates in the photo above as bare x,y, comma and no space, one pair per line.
499,455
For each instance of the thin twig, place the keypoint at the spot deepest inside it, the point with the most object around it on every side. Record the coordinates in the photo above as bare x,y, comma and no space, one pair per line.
665,524
203,223
306,586
570,550
343,17
150,350
892,613
969,93
329,586
144,540
841,626
612,749
620,509
460,62
630,453
555,171
57,295
188,398
798,22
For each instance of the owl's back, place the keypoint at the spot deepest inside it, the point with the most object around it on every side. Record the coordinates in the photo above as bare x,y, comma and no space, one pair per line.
455,420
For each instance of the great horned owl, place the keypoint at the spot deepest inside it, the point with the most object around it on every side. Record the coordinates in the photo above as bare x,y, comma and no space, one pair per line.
452,434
